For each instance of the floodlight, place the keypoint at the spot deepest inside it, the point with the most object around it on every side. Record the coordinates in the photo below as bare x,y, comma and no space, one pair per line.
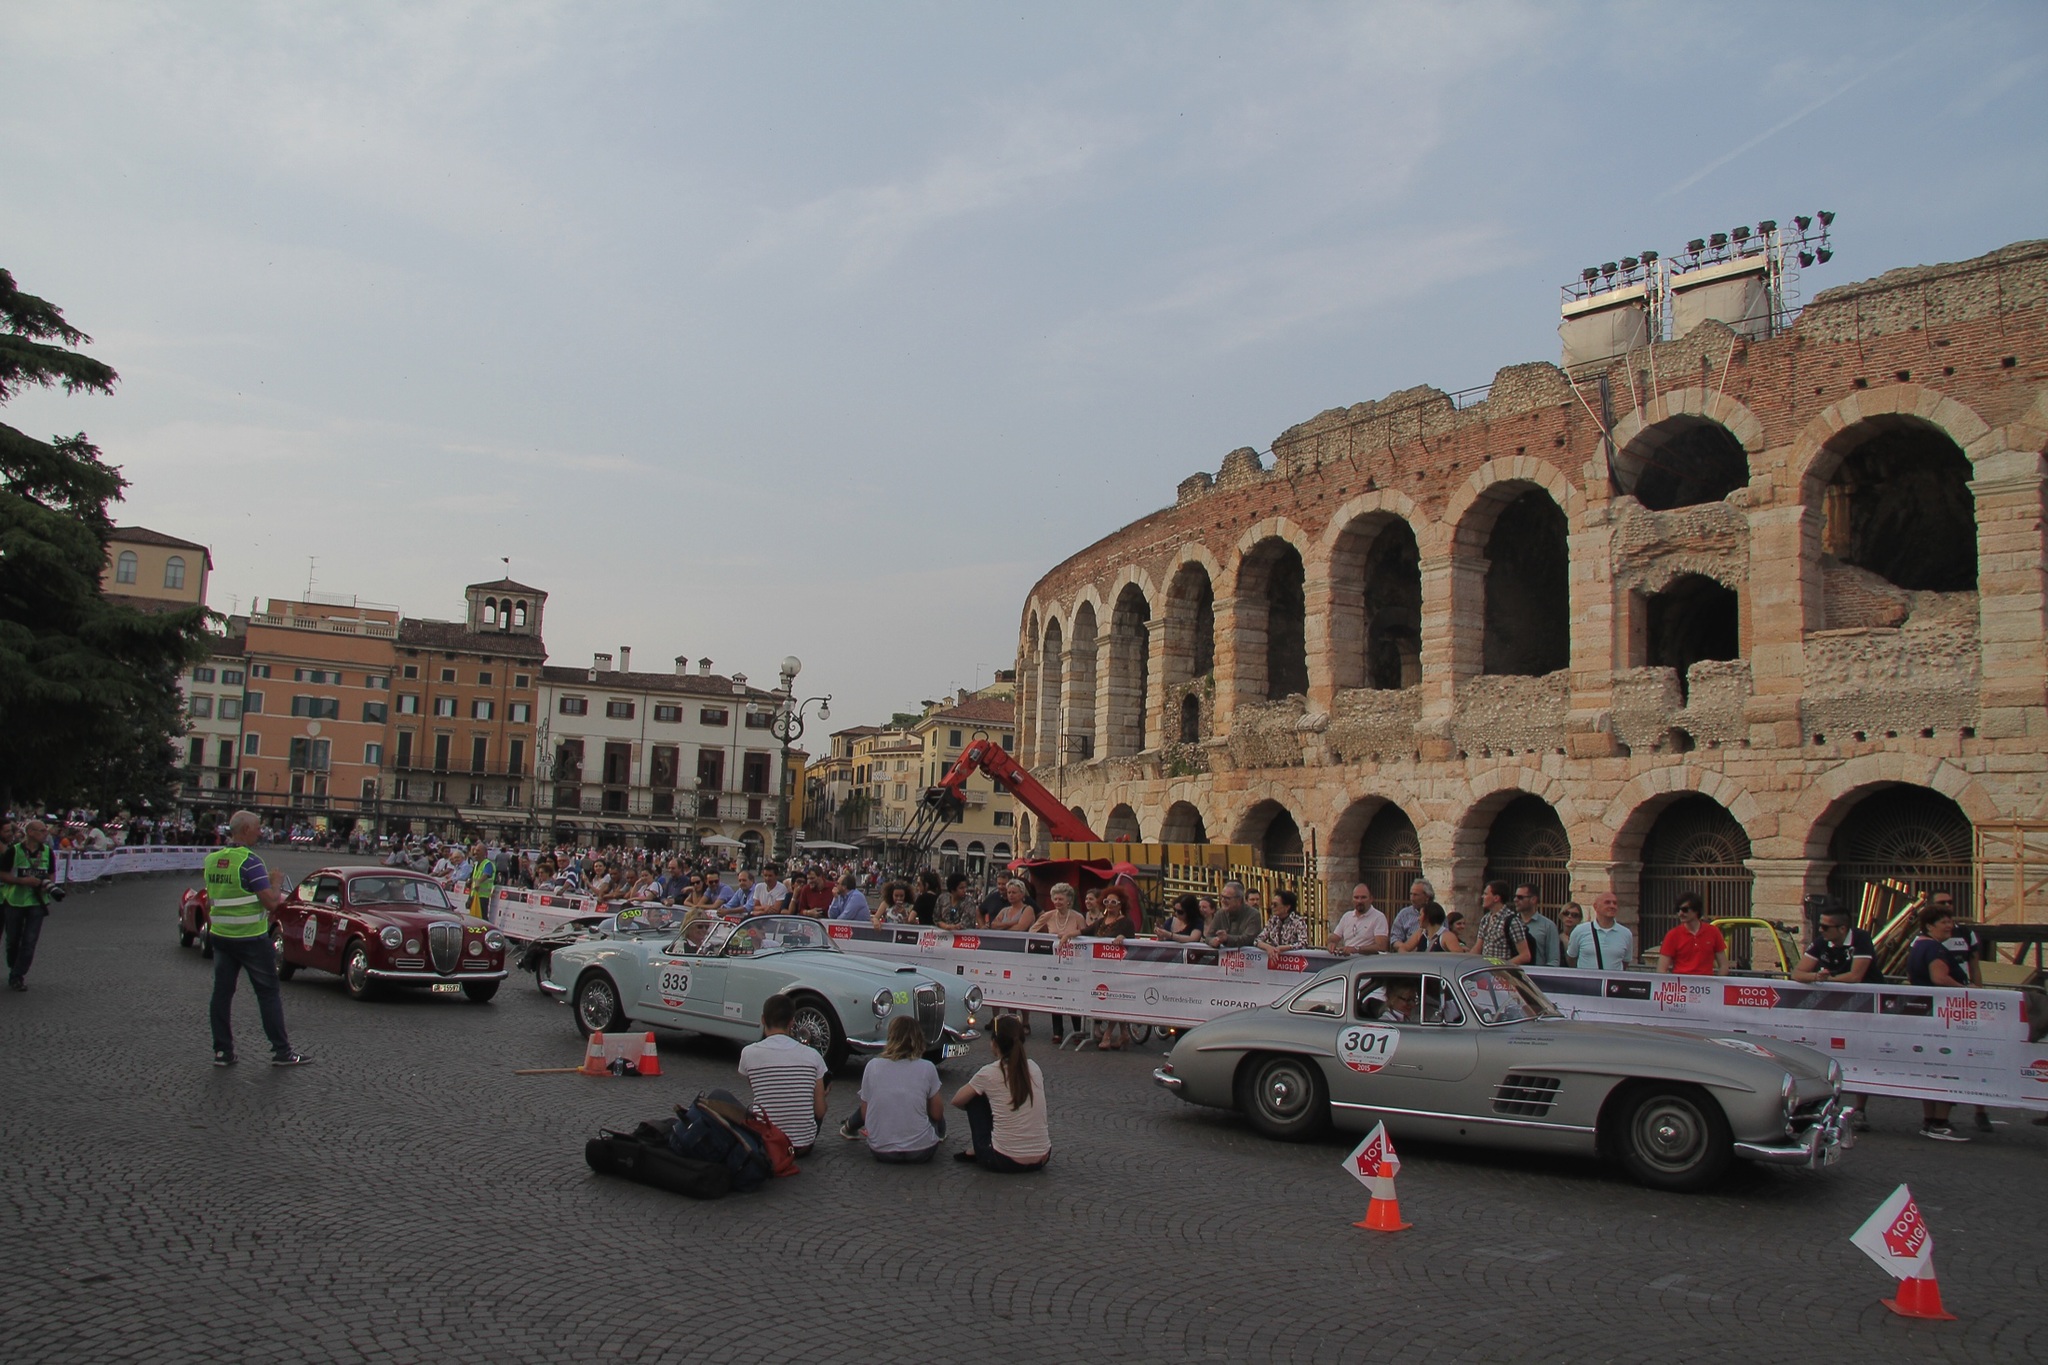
1766,226
1629,263
1827,217
1696,245
1801,221
1824,255
1590,273
1607,269
1649,257
1740,234
1805,259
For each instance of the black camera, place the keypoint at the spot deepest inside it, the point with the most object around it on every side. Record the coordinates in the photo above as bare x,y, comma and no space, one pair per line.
55,892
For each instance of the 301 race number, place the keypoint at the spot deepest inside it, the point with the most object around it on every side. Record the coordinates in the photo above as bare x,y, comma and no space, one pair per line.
1366,1049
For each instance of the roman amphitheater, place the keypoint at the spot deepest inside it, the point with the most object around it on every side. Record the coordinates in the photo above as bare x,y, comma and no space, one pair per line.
1754,610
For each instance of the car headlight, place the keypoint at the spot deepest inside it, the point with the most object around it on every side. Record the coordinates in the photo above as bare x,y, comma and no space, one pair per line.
1789,1090
885,1000
495,941
412,945
391,936
1834,1074
973,999
476,947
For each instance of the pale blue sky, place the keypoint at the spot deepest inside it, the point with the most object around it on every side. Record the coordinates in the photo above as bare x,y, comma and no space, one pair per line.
754,329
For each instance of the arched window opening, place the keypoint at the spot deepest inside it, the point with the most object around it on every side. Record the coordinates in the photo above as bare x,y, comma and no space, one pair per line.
1528,591
1280,847
1273,612
1393,610
1527,843
1900,506
1051,658
1911,837
124,567
1190,626
174,572
1682,462
1190,719
1183,825
1695,845
1130,678
1122,824
1389,857
490,611
1080,703
1080,816
1694,618
519,614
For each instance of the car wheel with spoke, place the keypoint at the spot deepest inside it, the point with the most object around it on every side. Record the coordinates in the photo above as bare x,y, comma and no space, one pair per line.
1284,1096
284,969
355,971
184,937
816,1027
597,1007
1674,1137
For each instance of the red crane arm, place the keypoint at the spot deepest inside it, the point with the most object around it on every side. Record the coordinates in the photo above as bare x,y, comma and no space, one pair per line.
987,755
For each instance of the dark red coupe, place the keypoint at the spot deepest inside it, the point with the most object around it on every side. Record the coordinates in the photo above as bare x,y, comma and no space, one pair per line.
376,927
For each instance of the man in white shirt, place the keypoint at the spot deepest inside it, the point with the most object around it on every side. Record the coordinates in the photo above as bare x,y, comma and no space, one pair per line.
1601,945
1408,919
787,1077
770,892
1361,929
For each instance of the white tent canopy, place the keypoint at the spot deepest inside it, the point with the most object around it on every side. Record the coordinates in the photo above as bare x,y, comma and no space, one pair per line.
827,843
720,841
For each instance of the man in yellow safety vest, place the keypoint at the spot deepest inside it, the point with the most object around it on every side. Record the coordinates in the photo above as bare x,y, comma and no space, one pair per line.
239,903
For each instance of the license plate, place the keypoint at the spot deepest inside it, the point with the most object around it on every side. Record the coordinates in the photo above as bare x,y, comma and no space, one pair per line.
954,1050
447,988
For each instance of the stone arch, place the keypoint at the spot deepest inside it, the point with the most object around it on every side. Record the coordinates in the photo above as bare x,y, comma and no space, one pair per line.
1512,582
1809,827
1524,838
1637,805
519,612
1184,825
1129,684
1376,841
1685,447
1901,834
1690,842
1270,612
1372,559
1898,503
1691,619
1121,824
1078,707
1051,664
1815,453
1270,827
1188,650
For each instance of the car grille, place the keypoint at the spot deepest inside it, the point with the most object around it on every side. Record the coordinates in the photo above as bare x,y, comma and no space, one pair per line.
476,964
444,941
931,1013
1526,1096
410,964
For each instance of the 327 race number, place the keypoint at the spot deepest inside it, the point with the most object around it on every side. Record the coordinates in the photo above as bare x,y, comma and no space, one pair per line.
1365,1048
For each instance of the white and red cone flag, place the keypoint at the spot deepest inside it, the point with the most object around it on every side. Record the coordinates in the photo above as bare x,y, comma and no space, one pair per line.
1366,1159
1896,1237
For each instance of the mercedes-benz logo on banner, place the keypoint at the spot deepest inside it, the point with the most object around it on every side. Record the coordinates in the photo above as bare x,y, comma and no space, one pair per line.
1151,995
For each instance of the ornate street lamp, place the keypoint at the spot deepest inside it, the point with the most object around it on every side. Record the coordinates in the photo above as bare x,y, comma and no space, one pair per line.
788,726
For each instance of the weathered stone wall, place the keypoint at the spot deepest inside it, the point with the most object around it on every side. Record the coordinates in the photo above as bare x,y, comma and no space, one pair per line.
1846,684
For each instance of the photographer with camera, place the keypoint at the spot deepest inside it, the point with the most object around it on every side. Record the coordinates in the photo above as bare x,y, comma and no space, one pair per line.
28,883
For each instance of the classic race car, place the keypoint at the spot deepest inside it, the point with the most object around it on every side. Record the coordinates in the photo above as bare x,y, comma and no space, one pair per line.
377,927
1458,1049
713,976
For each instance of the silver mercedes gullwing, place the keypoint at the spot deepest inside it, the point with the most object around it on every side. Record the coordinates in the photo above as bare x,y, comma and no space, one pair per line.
1454,1048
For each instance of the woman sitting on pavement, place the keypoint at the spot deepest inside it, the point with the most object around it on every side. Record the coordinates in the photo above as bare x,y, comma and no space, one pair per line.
1005,1104
900,1112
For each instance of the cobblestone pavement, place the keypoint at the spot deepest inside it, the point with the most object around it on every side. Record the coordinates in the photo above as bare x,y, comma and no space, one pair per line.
408,1198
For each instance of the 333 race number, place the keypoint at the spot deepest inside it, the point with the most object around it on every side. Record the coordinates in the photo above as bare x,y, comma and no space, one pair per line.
675,980
1365,1048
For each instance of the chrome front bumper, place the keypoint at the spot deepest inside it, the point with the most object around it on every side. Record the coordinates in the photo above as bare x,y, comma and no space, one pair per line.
1821,1145
435,978
866,1046
549,988
1161,1076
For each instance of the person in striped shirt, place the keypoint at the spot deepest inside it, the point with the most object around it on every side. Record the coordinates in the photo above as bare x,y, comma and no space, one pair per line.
787,1077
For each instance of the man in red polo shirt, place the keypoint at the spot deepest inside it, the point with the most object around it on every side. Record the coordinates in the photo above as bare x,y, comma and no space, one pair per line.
1694,948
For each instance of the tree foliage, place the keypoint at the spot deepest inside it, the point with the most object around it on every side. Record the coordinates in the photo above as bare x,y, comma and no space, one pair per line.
89,702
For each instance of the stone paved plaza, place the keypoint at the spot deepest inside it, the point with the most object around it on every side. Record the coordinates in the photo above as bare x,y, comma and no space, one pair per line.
408,1198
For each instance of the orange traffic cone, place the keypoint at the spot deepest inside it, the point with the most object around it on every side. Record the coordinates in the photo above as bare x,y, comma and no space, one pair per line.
650,1060
1920,1298
593,1056
1384,1213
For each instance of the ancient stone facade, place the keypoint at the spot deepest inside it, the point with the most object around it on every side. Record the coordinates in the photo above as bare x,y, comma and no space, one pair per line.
1762,615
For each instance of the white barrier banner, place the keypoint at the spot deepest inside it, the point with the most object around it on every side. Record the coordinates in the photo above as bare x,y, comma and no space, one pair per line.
1968,1046
74,868
1923,1042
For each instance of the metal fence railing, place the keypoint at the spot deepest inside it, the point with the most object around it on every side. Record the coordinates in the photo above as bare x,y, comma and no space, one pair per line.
1311,895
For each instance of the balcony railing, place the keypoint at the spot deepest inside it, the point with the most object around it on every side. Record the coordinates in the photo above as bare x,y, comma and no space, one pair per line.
684,806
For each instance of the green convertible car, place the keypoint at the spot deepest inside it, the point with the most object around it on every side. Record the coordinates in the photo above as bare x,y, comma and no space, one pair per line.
713,977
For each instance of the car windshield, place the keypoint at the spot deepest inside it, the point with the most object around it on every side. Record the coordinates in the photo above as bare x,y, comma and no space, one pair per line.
1503,996
418,891
769,933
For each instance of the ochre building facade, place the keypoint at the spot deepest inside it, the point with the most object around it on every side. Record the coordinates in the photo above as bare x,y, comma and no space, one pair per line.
1758,616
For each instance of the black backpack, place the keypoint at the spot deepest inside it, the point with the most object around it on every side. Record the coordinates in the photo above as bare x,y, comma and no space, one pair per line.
644,1155
712,1129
